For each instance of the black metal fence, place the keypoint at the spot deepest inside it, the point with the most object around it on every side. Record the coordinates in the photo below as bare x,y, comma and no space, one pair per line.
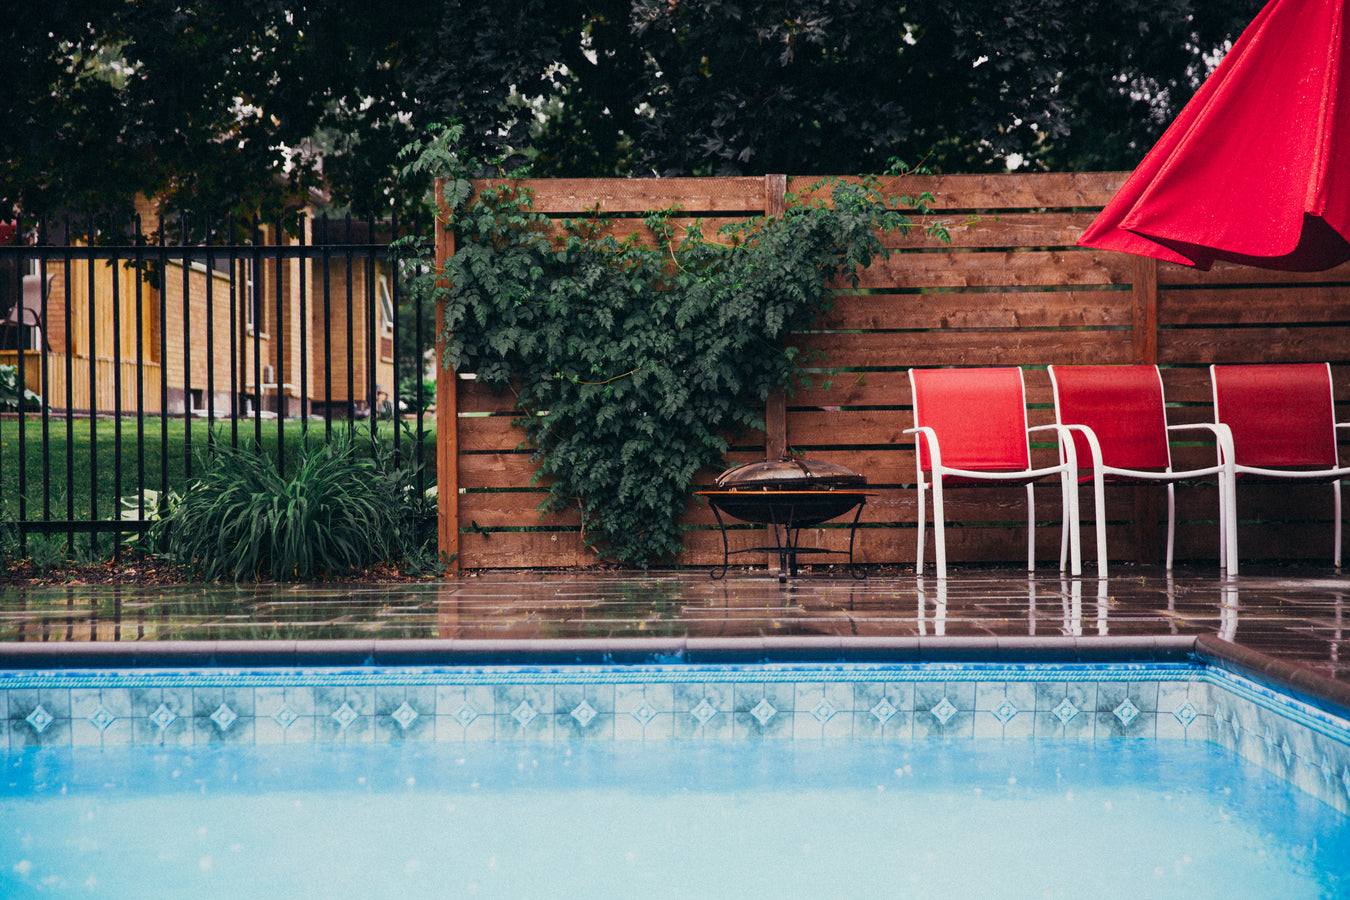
131,353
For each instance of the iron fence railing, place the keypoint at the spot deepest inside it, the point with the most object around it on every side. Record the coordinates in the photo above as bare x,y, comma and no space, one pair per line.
148,346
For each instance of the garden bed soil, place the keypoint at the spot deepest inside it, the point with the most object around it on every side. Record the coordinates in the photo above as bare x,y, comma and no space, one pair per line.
150,571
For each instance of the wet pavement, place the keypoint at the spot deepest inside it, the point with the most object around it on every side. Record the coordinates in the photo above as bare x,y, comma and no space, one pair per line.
1296,614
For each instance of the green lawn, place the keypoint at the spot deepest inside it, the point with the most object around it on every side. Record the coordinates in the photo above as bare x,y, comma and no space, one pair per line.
108,463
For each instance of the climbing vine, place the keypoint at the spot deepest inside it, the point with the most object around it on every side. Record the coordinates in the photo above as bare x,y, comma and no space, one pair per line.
635,359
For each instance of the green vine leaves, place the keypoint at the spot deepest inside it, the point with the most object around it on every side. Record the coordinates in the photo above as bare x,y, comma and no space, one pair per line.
637,359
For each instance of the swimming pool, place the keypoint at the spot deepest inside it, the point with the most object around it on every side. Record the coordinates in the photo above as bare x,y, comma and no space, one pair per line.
627,819
811,745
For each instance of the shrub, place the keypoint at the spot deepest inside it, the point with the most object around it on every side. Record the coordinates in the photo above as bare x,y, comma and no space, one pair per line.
242,520
9,391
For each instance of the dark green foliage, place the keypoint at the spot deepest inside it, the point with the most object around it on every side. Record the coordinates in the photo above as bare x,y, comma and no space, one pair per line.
245,104
242,520
410,530
634,361
9,392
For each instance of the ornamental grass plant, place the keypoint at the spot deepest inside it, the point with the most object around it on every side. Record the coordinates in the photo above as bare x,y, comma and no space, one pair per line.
242,520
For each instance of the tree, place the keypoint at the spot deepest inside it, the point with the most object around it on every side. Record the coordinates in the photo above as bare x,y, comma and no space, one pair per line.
212,106
251,105
841,85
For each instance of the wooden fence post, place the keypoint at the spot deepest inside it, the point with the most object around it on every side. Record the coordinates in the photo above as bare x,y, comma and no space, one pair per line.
447,410
775,410
775,413
1144,336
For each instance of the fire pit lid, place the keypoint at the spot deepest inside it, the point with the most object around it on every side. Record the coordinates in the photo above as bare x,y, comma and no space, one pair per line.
789,474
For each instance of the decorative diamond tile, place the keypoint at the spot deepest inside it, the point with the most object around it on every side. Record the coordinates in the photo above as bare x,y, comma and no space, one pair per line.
1065,711
1327,770
465,714
162,717
1185,714
763,711
644,713
584,713
285,716
884,711
344,715
1126,712
944,711
703,712
524,713
404,715
223,717
39,718
102,717
1270,739
1005,711
1288,753
824,711
1345,778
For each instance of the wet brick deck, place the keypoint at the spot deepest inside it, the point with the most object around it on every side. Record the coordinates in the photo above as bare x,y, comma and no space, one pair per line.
1296,614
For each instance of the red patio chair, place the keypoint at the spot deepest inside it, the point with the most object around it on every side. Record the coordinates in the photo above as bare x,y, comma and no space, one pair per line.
970,428
1119,424
1283,420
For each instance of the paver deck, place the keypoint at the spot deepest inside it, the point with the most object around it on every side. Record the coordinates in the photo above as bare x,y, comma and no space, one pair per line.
1296,614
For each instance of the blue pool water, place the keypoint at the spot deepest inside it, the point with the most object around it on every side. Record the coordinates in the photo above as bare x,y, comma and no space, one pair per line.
673,819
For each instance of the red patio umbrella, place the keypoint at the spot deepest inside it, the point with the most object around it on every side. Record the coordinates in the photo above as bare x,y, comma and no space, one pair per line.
1256,168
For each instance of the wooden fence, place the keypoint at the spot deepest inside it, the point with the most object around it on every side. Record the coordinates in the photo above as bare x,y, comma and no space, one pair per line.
1010,289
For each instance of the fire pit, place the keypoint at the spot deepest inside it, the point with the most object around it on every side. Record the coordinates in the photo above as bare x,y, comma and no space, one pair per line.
788,494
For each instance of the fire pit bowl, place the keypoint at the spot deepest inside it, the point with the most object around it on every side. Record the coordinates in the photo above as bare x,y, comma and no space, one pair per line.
789,474
791,494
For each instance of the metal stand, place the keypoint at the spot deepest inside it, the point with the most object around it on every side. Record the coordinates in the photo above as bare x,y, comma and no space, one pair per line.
787,512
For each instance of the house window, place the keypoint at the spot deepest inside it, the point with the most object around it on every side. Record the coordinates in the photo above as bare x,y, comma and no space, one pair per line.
386,305
255,318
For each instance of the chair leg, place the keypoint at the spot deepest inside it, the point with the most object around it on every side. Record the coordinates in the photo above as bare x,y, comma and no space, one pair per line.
923,524
1063,548
1031,528
1099,511
1172,522
939,535
1336,494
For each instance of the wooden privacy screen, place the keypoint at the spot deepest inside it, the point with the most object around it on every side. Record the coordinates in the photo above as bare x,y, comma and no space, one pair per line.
1010,289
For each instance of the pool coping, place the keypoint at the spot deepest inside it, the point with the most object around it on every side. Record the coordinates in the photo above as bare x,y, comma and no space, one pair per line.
1323,693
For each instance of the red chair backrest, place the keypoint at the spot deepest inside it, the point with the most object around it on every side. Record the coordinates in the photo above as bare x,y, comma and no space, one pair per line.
980,416
1281,415
1123,405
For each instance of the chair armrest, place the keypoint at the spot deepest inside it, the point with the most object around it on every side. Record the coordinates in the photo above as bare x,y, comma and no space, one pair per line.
1068,452
1066,440
928,436
1223,438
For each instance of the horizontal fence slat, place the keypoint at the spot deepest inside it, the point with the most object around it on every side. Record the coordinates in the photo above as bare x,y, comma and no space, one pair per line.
1001,230
983,310
576,196
1053,190
963,348
1312,303
993,269
1315,343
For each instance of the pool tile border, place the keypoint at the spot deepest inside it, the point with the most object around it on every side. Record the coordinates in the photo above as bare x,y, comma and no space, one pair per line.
1298,733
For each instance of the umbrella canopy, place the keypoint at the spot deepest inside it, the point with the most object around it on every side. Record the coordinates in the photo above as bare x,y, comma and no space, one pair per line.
1256,168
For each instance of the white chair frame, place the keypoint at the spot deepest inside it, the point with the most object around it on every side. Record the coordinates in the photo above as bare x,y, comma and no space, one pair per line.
1336,473
1222,469
1066,469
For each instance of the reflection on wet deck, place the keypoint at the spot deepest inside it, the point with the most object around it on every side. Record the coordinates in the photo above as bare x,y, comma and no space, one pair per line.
1298,615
